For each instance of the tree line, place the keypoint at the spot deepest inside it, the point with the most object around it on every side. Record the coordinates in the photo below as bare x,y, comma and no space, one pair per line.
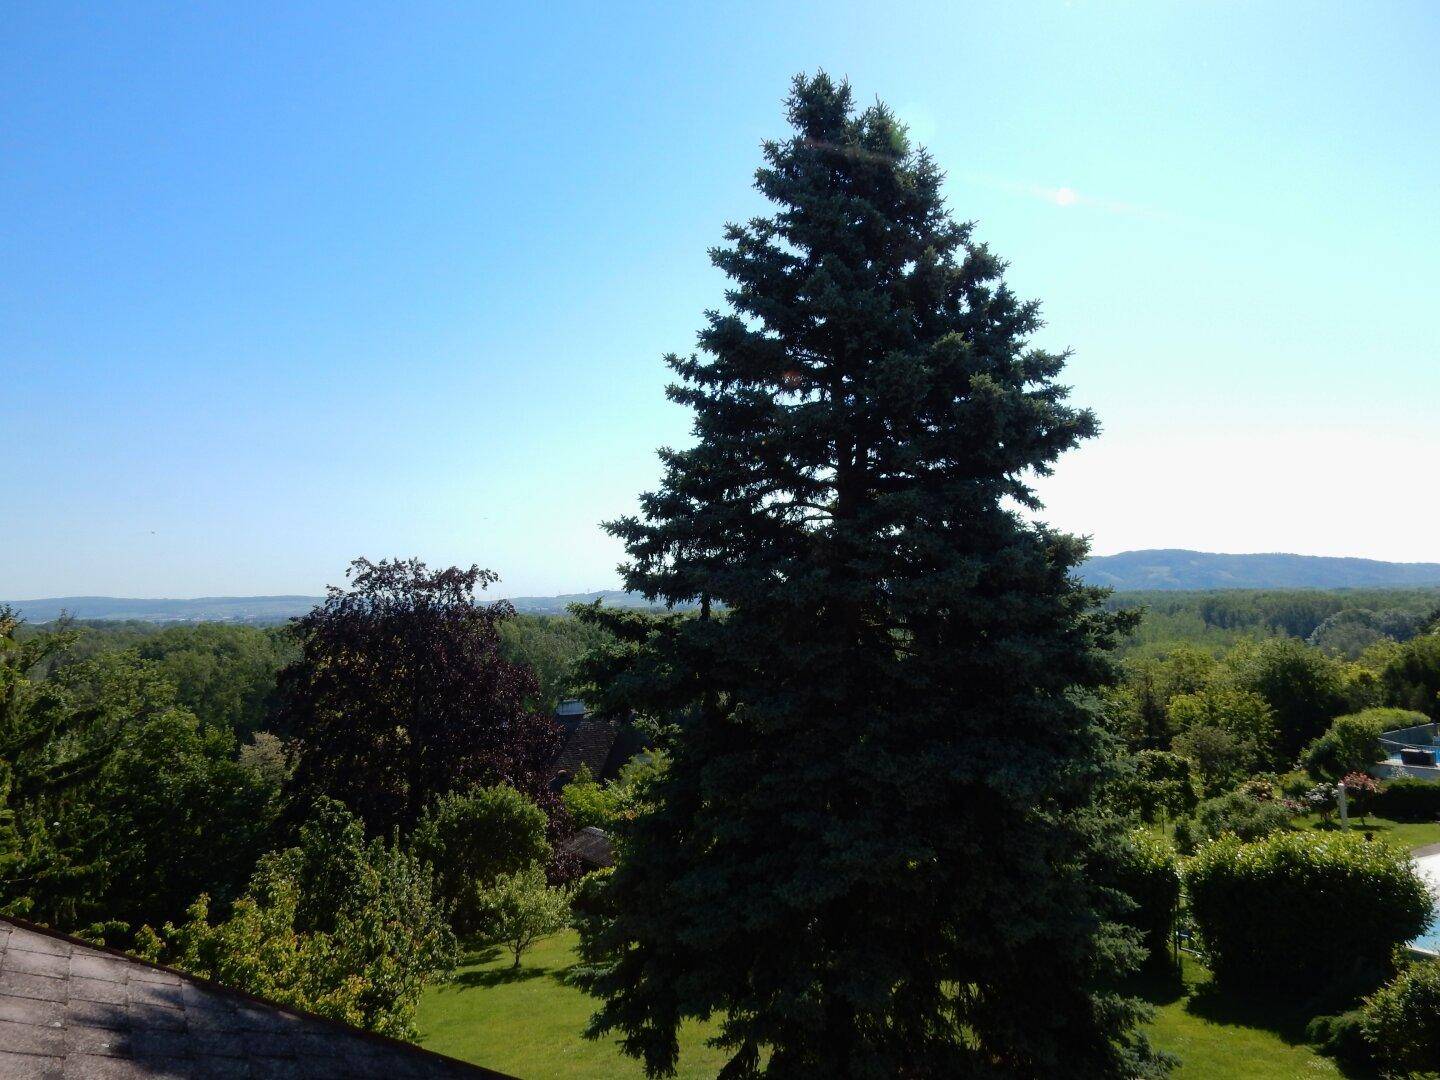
316,813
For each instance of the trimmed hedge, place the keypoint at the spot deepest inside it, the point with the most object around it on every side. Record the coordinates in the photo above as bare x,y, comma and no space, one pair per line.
1394,719
1407,800
1314,914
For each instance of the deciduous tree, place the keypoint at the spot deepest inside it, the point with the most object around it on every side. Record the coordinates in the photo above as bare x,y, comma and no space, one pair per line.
401,694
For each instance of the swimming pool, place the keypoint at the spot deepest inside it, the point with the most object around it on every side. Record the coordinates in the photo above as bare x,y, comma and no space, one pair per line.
1429,867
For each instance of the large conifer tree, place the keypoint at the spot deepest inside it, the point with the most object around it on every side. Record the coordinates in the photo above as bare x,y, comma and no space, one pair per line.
867,856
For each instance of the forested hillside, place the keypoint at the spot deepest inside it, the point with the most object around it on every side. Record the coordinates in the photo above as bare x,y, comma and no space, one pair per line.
1338,621
1163,570
1172,568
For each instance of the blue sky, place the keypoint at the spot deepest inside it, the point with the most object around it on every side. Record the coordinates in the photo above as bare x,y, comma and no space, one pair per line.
285,284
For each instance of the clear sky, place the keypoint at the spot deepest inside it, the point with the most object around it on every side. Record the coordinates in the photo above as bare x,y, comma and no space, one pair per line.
285,284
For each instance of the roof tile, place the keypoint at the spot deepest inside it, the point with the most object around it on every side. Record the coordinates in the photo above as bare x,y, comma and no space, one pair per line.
96,1014
32,1011
111,993
104,1041
31,1038
37,963
18,984
15,1066
29,941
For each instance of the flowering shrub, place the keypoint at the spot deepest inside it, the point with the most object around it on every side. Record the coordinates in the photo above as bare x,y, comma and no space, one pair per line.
1360,788
1322,799
1259,789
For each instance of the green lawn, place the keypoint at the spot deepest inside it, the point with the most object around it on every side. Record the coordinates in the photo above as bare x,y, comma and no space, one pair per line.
1218,1036
1408,834
528,1024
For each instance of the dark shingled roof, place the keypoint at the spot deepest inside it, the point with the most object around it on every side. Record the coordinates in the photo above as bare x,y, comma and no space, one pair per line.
590,845
68,1009
590,744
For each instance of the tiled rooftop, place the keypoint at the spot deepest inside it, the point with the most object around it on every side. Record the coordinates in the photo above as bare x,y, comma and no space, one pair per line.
590,744
591,846
68,1009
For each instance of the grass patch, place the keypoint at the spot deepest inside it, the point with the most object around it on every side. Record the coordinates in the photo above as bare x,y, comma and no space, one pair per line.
527,1023
1407,834
1218,1036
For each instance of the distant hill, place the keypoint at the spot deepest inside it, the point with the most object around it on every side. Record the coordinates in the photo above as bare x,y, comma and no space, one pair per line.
246,609
1176,569
1167,569
556,605
256,609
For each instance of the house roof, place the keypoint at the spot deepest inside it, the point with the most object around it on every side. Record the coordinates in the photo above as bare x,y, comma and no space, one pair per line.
590,845
590,744
69,1009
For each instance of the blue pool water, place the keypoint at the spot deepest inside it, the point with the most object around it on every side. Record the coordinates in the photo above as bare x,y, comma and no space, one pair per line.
1430,940
1429,867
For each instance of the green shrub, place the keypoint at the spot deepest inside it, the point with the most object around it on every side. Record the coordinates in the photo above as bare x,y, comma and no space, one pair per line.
1145,869
1239,814
1342,1037
1408,800
1350,743
1294,785
606,805
1315,914
1402,1021
1187,836
339,926
590,803
1395,719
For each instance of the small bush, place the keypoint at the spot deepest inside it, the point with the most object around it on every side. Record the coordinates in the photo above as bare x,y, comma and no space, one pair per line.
1240,814
1314,914
1146,870
1294,785
1402,1021
1395,719
1408,800
1343,1038
1187,836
